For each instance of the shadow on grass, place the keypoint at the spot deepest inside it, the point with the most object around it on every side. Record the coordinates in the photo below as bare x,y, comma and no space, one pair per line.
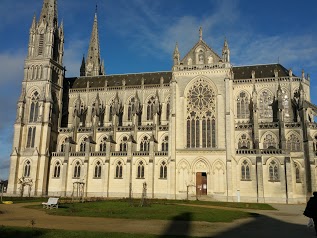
6,232
180,225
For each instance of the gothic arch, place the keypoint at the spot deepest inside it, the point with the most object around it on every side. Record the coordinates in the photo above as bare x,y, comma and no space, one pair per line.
242,104
75,160
94,161
269,140
244,141
218,176
265,98
201,165
184,177
293,141
140,159
121,160
61,143
195,79
25,159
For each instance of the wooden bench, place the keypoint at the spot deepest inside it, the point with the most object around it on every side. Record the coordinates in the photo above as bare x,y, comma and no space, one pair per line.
51,203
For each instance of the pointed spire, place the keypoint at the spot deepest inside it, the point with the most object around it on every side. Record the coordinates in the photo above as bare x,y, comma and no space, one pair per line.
176,55
93,65
33,26
49,12
200,33
226,52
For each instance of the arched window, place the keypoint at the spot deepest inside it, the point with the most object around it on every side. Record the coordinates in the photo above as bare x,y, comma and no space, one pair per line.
62,147
34,107
124,144
103,144
82,145
297,173
165,144
244,142
131,108
27,168
110,111
265,101
145,144
140,172
201,119
118,169
269,142
31,137
163,170
243,106
77,168
273,171
293,143
149,108
57,170
286,103
245,170
97,172
168,109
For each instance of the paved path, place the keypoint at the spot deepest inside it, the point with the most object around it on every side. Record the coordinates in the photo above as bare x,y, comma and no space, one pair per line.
287,221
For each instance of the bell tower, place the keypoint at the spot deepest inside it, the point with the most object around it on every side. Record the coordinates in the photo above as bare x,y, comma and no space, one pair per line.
39,105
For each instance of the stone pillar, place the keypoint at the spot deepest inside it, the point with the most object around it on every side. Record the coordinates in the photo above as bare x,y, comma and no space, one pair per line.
259,180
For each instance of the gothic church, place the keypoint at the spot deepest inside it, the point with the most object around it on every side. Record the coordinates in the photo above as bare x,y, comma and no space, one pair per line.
205,129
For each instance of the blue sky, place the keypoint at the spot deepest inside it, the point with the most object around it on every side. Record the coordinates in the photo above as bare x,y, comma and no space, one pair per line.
140,36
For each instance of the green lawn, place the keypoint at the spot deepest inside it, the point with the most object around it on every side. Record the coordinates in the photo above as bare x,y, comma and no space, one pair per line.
157,210
19,232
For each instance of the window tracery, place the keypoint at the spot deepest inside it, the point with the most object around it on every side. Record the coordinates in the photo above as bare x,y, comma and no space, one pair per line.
140,172
293,143
149,108
244,142
77,168
243,102
163,170
165,144
124,144
145,144
245,170
103,144
273,171
27,169
57,169
265,102
201,119
269,142
119,169
97,172
34,107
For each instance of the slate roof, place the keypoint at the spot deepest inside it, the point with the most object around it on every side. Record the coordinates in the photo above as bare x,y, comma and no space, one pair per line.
116,80
240,72
261,71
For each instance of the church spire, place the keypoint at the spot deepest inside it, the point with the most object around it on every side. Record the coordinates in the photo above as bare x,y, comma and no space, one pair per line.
200,33
49,12
93,62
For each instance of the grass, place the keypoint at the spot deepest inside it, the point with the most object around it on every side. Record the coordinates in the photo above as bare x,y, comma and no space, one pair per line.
21,232
24,199
160,210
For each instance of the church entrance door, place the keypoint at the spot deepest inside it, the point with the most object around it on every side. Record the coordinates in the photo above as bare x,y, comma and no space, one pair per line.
201,183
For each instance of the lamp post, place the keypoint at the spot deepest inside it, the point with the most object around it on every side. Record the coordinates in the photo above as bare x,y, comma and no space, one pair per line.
1,186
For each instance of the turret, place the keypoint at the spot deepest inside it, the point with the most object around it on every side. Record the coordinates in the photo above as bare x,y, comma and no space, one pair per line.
83,67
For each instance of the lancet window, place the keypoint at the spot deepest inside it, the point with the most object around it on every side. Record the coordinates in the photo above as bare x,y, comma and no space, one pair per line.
243,102
131,108
145,144
297,173
245,170
31,137
57,170
77,169
119,169
293,143
27,168
34,107
97,172
149,108
265,102
140,172
168,108
273,171
103,144
201,119
163,170
124,144
165,144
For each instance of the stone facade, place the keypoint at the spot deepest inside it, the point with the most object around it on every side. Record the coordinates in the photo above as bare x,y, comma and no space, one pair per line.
205,128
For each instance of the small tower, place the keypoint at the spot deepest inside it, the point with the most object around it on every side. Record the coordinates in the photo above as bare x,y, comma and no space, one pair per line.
93,66
226,52
83,67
